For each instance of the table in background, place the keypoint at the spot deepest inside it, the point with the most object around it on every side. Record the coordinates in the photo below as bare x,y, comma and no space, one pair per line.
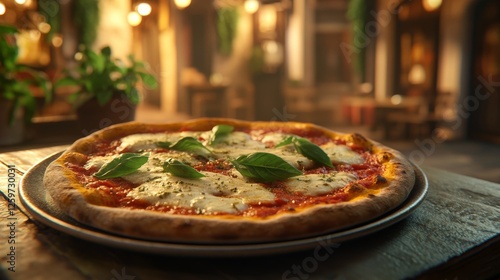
207,100
454,234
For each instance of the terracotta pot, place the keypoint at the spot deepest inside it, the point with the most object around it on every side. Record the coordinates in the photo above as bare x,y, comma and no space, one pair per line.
93,117
11,134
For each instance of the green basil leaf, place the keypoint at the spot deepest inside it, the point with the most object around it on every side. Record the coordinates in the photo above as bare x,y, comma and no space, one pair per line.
312,151
265,167
187,144
307,149
123,165
218,132
180,169
164,144
287,141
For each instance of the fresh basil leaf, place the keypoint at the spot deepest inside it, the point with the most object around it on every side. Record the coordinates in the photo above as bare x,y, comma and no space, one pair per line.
287,141
187,144
218,132
123,165
307,149
180,169
265,167
312,151
164,144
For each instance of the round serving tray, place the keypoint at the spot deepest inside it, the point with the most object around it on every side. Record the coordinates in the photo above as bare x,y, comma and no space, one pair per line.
40,205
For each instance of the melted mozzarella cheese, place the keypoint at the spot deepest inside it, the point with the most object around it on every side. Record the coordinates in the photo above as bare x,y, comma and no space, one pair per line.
290,155
274,137
147,141
98,161
211,194
342,154
236,144
318,184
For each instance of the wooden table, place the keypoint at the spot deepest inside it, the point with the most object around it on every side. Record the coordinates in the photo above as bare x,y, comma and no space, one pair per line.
454,234
207,100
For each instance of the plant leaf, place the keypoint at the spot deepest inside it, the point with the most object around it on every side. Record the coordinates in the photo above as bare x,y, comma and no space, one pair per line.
133,96
106,51
7,29
148,80
218,132
180,169
265,167
123,165
190,145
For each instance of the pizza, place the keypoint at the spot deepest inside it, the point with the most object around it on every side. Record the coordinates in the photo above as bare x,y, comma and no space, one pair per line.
225,180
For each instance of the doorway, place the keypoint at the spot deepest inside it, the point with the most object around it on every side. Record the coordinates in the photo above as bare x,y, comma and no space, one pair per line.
485,79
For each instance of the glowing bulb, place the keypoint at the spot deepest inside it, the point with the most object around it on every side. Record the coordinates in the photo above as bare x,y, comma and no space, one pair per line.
431,5
134,18
2,9
78,56
144,9
21,2
396,99
251,6
417,74
44,27
181,4
57,41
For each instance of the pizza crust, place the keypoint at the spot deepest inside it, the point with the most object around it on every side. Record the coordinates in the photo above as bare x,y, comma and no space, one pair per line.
74,199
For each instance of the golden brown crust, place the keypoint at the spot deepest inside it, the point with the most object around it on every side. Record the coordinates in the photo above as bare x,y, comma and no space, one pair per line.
393,186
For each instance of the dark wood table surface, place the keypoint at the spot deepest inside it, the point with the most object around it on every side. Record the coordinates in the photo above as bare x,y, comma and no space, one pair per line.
453,234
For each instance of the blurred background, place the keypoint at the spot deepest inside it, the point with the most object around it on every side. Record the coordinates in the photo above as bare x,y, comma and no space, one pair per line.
397,70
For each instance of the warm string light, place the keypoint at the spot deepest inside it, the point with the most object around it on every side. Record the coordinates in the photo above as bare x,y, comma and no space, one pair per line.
2,8
134,18
182,4
57,40
431,5
251,6
44,27
143,9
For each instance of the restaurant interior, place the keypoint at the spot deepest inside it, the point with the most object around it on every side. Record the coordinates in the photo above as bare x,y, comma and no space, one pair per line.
402,72
419,76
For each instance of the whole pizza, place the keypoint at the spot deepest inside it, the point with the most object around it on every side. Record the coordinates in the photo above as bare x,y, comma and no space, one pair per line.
225,180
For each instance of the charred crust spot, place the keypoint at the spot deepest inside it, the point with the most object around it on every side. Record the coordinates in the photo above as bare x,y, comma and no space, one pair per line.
380,179
385,157
355,188
359,139
371,195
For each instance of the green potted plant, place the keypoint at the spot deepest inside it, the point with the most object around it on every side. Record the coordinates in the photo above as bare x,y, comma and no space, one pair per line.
106,88
17,104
